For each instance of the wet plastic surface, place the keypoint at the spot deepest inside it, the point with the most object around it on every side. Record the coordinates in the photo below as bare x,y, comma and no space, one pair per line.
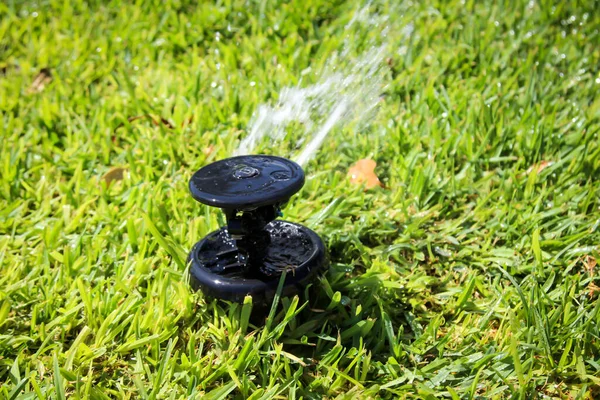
247,182
289,246
249,255
219,267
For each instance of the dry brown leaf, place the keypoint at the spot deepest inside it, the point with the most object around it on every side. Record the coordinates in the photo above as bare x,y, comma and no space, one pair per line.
114,174
539,167
40,81
208,150
363,171
593,289
589,263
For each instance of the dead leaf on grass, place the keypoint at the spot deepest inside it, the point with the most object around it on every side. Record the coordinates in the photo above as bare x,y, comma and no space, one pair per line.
114,174
363,171
589,263
539,167
40,81
593,288
208,150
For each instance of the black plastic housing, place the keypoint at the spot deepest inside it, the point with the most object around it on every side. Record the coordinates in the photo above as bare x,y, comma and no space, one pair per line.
248,256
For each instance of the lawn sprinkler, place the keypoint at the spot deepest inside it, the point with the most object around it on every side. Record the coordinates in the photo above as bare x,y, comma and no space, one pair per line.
250,253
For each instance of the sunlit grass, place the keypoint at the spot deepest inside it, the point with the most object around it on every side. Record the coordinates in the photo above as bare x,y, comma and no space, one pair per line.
471,274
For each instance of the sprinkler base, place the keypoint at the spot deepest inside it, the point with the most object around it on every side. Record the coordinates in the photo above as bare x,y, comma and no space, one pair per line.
221,268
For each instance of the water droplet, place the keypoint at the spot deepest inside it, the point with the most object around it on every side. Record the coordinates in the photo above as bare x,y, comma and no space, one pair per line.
244,172
213,84
252,83
280,175
442,252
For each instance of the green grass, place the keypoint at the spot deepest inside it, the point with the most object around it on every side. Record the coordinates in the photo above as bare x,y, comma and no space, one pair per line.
469,275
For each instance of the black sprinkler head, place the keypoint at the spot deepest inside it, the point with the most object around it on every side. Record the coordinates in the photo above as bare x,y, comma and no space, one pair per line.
248,256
